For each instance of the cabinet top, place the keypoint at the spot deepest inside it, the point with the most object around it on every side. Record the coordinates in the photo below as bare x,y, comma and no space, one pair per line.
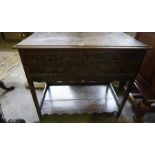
109,40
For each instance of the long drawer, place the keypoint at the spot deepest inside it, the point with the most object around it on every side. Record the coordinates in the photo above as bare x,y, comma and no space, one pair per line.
81,65
84,56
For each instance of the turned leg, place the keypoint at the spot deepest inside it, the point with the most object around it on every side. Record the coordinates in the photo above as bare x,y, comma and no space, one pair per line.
2,85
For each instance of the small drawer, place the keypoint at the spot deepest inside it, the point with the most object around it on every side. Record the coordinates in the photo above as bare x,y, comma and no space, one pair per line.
66,69
113,58
34,58
54,58
72,58
38,69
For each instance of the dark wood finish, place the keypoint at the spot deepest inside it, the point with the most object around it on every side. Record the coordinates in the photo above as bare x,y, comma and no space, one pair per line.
76,65
145,80
79,100
82,58
115,95
105,40
34,96
125,97
44,95
146,75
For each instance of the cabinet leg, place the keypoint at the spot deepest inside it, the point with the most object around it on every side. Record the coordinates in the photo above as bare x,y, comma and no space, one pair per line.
2,85
35,99
125,97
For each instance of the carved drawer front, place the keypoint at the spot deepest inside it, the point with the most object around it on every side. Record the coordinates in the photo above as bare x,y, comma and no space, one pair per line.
115,68
54,57
113,58
72,58
35,57
107,72
65,58
81,65
66,72
38,69
66,69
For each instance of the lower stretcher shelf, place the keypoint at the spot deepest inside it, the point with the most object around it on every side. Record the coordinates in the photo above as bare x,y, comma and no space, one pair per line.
79,100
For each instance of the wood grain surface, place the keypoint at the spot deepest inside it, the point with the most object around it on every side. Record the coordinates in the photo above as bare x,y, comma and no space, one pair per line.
80,40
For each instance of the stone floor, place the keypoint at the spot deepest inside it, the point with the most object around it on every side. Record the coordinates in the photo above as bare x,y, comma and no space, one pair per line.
19,103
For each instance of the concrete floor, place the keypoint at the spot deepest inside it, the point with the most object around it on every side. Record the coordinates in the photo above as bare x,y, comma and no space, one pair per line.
19,103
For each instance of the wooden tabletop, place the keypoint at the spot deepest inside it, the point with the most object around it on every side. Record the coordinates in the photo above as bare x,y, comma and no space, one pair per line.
80,40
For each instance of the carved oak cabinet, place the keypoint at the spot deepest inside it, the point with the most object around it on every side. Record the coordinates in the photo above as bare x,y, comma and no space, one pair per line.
80,58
